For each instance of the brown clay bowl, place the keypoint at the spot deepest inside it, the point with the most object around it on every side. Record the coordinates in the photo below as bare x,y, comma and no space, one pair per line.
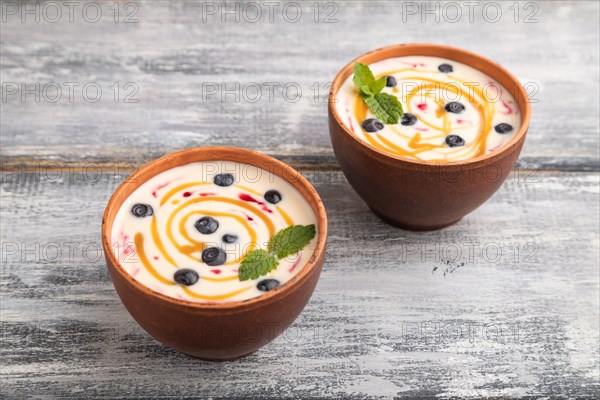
421,195
218,331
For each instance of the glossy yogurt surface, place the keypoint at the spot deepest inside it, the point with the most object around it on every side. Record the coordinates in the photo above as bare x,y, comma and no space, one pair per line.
424,92
152,248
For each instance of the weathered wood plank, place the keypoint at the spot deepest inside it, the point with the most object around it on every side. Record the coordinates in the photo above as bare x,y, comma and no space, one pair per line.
92,167
176,52
395,312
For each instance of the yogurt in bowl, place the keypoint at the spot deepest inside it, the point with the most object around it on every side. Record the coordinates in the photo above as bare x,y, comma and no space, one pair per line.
215,251
187,231
464,123
452,111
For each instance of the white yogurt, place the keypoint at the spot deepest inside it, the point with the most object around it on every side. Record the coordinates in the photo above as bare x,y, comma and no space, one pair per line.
153,248
424,92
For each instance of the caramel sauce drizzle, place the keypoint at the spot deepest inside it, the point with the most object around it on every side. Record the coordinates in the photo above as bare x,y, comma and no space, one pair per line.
179,188
246,188
216,297
194,246
159,243
485,110
238,203
226,279
288,220
199,246
139,246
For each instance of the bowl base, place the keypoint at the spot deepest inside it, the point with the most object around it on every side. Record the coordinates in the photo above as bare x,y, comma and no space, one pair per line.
224,359
410,227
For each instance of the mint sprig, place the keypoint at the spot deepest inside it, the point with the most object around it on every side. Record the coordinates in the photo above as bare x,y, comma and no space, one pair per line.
365,80
384,106
286,242
256,264
291,240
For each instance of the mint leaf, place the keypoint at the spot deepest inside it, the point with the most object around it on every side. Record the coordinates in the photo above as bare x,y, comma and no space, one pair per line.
291,240
256,264
378,85
365,80
287,241
385,107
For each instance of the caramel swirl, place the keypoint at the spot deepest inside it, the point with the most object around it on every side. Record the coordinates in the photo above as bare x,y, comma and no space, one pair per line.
186,231
192,247
424,91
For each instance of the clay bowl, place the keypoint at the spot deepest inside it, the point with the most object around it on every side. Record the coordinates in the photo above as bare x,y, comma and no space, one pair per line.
218,331
421,195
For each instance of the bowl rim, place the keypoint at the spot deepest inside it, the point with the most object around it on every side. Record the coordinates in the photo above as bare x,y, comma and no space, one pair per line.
524,108
251,158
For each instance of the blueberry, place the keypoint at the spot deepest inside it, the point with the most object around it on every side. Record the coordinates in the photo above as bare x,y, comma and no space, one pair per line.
408,119
207,225
227,238
214,256
267,284
223,180
372,125
142,210
454,107
390,81
503,128
445,68
186,276
273,196
455,141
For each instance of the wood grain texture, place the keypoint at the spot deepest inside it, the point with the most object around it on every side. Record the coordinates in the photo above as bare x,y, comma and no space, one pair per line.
395,313
170,53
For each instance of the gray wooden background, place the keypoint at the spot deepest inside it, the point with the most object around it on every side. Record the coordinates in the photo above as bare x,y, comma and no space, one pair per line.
503,304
